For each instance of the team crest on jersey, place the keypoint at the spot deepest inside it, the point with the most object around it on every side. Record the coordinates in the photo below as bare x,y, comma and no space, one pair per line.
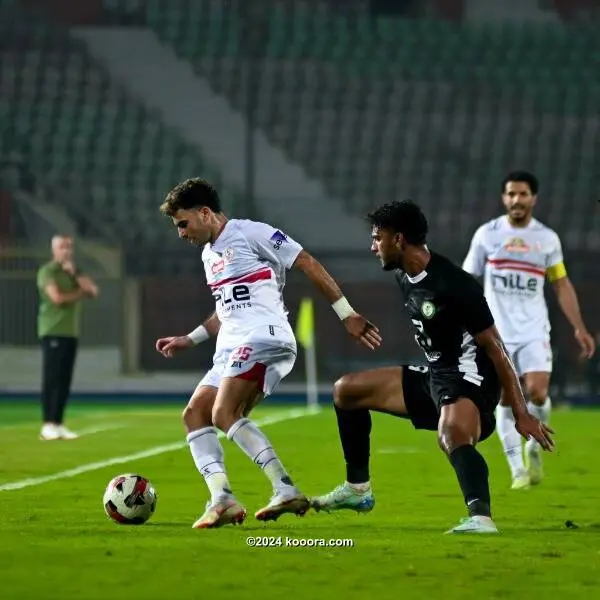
516,245
228,255
428,309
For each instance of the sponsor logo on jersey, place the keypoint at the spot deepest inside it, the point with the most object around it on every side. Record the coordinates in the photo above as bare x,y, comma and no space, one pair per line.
517,245
428,309
279,238
217,266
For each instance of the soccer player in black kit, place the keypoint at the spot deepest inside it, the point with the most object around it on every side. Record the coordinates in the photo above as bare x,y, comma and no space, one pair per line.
455,395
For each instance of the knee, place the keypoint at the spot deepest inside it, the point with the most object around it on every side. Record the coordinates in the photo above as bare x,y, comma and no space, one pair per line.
197,413
452,435
537,393
224,417
341,391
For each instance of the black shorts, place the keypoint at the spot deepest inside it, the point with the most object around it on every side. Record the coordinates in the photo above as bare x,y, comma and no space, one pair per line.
425,393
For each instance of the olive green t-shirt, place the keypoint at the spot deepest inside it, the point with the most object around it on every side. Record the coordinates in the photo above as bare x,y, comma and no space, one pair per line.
63,319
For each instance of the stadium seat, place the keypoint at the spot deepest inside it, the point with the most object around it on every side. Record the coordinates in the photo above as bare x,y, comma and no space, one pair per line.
78,131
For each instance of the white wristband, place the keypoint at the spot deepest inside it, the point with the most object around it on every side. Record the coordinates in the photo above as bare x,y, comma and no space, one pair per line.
342,308
200,334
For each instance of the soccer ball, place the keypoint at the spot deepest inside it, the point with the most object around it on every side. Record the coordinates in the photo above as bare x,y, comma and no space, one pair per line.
129,499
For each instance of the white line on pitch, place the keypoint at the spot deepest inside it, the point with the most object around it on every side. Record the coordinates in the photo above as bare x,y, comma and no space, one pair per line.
100,428
289,415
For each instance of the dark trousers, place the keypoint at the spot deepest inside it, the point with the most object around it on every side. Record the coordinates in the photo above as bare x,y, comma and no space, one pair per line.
58,361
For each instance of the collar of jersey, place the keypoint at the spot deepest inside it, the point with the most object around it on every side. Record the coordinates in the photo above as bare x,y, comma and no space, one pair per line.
417,278
215,247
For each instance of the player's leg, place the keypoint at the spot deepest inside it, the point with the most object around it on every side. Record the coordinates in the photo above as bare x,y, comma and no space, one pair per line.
50,369
537,384
460,428
510,438
208,455
354,395
69,354
254,369
535,362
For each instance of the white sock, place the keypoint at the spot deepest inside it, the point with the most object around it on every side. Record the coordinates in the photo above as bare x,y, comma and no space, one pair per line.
256,445
360,488
543,414
209,458
510,439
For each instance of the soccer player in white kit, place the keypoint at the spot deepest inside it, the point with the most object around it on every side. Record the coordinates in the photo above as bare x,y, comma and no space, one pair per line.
245,263
514,254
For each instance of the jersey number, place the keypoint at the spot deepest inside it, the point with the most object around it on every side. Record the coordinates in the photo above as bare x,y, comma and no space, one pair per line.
421,337
241,354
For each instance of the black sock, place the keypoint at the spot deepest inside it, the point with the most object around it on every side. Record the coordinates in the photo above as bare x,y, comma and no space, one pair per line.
355,430
472,472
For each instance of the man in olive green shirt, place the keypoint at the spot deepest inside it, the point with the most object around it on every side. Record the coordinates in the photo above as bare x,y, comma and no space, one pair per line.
61,289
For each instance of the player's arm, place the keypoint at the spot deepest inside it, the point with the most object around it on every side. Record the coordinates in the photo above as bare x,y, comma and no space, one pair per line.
87,284
59,297
356,324
477,319
567,297
209,328
279,248
569,304
489,339
474,262
526,424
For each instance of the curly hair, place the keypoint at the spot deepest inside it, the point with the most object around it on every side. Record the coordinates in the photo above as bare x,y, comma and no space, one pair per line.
191,193
401,217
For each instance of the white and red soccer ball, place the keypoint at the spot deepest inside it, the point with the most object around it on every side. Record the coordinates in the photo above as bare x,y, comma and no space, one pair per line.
129,499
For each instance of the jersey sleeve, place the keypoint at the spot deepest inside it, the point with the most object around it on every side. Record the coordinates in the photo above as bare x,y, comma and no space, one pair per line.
474,262
44,277
272,244
555,266
471,306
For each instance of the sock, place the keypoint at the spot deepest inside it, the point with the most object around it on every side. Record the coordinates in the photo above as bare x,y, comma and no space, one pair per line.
510,439
209,457
256,445
354,427
472,472
543,414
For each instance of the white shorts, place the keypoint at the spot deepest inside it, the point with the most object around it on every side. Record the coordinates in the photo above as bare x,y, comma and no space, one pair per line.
530,357
261,356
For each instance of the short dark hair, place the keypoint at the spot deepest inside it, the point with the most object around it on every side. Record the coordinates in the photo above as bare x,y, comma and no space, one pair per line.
191,193
523,177
401,217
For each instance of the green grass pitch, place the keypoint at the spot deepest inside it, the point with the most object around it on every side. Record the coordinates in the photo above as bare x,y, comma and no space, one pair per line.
56,542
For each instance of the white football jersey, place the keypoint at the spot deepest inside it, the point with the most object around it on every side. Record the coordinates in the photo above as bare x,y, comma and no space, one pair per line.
245,271
514,262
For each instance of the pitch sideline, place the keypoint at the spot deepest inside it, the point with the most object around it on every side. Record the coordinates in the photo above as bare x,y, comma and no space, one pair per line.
288,415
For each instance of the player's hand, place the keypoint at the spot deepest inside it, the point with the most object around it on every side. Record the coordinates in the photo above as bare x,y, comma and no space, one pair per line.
364,331
586,343
69,267
170,345
530,427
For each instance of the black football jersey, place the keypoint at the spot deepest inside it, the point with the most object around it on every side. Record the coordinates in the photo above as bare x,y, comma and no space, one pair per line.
448,309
